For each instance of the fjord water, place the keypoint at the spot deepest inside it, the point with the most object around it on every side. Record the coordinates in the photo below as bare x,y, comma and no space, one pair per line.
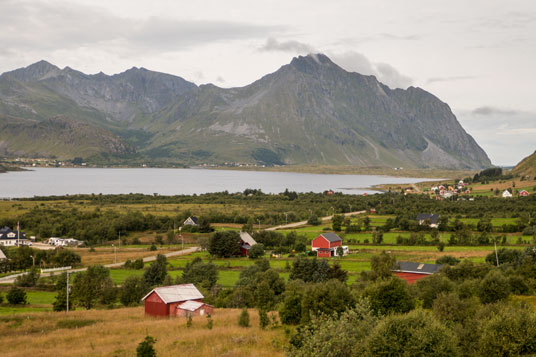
62,181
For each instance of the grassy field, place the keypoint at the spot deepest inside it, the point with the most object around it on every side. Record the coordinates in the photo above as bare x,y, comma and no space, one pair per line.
81,334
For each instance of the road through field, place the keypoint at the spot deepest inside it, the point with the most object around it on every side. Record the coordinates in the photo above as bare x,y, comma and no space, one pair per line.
11,278
303,223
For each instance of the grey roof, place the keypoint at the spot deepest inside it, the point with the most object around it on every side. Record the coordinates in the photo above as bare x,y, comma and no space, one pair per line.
331,237
190,305
2,255
175,293
418,268
433,218
6,230
193,218
247,238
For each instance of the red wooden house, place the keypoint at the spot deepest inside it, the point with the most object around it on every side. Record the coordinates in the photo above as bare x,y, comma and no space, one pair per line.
325,245
246,242
523,193
411,272
176,300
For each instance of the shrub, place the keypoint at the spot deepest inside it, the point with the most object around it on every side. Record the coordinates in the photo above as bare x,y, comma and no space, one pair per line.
243,320
414,334
145,348
16,296
389,296
448,260
264,321
494,287
428,289
256,251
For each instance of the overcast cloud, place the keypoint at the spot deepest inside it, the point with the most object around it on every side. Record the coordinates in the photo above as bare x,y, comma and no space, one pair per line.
478,56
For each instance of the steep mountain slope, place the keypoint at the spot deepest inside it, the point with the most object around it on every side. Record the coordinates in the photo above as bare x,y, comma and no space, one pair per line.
313,111
59,137
527,166
309,111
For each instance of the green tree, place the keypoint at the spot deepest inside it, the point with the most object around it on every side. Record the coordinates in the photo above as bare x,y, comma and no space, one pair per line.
494,287
326,298
224,244
428,289
146,347
256,251
290,310
381,266
414,334
16,296
264,321
314,220
389,296
156,273
336,222
204,225
91,285
60,302
28,279
199,273
209,321
132,290
243,320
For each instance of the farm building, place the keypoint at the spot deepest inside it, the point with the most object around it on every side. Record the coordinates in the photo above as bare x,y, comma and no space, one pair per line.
246,242
411,272
176,300
523,193
326,244
427,218
506,194
191,221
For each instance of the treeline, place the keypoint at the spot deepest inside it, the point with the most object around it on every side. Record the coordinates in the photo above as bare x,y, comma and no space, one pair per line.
24,257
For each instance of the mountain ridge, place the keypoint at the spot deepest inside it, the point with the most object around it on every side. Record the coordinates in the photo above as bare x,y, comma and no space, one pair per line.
309,111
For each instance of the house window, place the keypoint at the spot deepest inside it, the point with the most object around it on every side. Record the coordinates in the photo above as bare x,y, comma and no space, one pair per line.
202,312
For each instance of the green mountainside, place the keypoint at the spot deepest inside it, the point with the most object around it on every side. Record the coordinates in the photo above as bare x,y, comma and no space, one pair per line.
527,166
310,111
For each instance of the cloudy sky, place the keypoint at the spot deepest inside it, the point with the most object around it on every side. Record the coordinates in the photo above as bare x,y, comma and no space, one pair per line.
478,56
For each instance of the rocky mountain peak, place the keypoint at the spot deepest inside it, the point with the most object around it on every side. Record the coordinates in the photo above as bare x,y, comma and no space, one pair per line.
34,72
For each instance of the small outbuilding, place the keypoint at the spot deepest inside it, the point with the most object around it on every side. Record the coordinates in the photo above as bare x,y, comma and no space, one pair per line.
176,300
506,194
428,218
523,193
246,242
412,272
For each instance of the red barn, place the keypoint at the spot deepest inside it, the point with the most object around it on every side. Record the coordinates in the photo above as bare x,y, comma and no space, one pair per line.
325,245
246,242
175,300
523,193
411,272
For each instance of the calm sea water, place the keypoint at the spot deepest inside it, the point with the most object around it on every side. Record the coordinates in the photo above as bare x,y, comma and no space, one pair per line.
61,181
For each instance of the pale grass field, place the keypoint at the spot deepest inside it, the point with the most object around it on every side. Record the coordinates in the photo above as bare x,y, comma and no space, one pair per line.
106,255
118,333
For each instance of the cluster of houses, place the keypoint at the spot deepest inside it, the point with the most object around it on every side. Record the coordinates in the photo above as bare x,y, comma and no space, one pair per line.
449,191
508,194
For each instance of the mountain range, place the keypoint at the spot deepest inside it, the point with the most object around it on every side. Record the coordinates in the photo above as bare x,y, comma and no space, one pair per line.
526,167
310,111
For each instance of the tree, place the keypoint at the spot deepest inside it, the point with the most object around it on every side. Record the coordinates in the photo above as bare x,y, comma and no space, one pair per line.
156,273
326,298
263,318
132,290
290,310
256,251
336,222
243,320
377,237
28,279
60,302
340,251
381,266
448,260
413,334
224,244
16,296
146,347
197,272
428,289
92,285
204,225
390,296
494,287
314,220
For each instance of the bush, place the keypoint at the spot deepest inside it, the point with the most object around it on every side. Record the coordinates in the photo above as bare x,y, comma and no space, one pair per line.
256,251
391,296
494,287
314,220
243,320
264,321
132,290
448,260
145,348
428,289
152,248
16,296
28,279
414,334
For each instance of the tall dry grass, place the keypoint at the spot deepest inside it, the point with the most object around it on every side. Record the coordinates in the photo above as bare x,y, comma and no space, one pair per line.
118,332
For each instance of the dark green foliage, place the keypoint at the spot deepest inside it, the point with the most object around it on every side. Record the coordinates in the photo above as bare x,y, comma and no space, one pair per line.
132,290
429,288
310,270
199,273
494,287
243,320
326,298
146,347
209,321
336,222
189,321
256,251
204,225
264,321
16,296
314,220
466,270
290,311
413,334
448,260
506,256
390,296
381,266
28,279
60,302
138,264
224,244
448,307
153,248
156,272
93,285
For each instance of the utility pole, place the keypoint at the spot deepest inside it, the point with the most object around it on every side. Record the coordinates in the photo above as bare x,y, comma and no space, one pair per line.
33,260
67,309
259,224
18,234
182,238
119,239
286,218
115,253
496,254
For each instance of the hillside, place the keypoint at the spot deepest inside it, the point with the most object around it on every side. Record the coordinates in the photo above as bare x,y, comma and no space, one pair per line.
310,111
59,137
527,166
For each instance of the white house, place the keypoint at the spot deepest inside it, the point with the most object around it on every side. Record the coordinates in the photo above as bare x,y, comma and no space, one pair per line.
9,238
506,194
191,221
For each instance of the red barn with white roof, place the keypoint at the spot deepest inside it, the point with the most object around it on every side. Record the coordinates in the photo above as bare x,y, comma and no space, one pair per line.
175,300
